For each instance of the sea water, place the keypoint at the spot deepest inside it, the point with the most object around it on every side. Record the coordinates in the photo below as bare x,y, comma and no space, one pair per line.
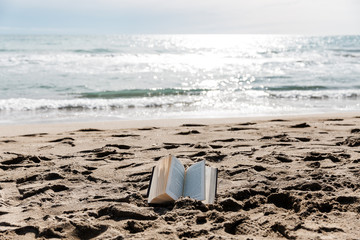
57,78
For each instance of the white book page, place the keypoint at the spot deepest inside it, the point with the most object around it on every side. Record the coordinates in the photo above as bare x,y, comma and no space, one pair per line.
210,184
195,181
175,183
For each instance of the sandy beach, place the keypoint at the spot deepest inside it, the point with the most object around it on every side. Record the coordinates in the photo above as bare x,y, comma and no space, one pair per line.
279,178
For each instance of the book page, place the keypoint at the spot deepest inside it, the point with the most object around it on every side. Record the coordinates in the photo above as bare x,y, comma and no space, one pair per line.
159,180
210,184
195,181
175,182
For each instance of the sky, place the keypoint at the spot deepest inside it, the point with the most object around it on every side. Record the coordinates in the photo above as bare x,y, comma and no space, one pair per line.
310,17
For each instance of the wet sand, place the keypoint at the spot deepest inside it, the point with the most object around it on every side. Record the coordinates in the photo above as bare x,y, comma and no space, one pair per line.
279,178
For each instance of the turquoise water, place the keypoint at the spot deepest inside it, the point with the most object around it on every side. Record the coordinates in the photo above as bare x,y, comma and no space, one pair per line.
56,78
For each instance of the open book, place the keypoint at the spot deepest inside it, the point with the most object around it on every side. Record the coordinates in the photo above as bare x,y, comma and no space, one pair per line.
170,180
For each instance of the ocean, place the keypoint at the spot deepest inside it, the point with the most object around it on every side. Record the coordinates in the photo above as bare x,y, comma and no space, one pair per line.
68,78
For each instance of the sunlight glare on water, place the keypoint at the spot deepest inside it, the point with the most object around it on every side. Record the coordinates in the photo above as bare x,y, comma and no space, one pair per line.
49,78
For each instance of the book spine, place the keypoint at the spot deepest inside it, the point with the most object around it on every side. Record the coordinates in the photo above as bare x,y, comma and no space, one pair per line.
148,191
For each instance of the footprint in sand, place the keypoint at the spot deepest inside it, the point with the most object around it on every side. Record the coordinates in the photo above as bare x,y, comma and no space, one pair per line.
119,146
278,120
188,132
24,158
147,128
87,230
247,124
241,129
90,130
125,135
350,141
34,135
171,145
226,140
65,140
7,141
193,125
26,193
334,120
301,125
355,130
139,177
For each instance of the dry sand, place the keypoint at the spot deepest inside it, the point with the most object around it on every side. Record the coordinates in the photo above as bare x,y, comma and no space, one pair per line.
288,177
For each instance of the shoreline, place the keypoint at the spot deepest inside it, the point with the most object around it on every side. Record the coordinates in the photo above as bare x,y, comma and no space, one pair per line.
33,128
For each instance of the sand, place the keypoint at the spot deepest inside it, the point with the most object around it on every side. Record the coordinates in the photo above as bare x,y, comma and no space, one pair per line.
279,178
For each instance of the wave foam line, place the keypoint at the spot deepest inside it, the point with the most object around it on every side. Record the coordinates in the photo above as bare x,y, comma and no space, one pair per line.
25,104
136,93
